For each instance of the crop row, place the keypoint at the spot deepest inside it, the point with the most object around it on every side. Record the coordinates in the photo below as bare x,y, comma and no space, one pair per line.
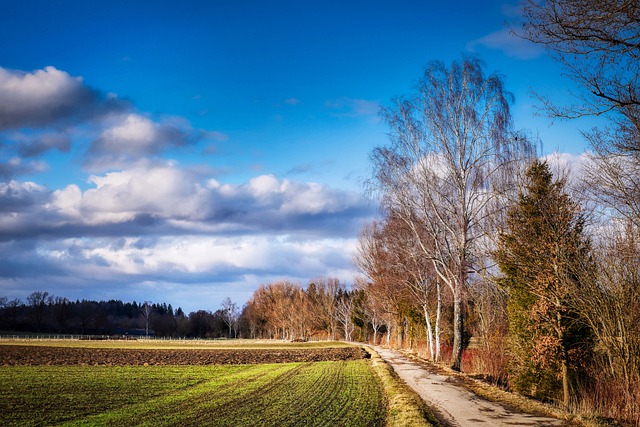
314,394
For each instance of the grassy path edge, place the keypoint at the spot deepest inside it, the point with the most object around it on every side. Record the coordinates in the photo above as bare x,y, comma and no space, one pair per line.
405,408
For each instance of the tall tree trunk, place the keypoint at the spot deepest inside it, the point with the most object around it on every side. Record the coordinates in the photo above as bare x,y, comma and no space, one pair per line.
438,316
456,355
458,323
388,334
565,382
427,319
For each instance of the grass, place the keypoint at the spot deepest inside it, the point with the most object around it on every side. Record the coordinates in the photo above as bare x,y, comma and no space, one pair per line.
288,394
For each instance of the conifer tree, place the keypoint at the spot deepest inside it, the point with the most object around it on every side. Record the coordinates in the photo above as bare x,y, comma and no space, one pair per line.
542,253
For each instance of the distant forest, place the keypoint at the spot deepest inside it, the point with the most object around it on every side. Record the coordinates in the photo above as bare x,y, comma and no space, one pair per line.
44,313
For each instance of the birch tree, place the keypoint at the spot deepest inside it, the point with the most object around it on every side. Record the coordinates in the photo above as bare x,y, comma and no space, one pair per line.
344,310
451,148
230,315
146,310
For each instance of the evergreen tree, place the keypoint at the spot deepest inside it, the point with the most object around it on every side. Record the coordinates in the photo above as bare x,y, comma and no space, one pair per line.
542,253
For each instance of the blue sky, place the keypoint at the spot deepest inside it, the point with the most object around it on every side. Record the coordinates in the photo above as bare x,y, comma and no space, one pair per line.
186,151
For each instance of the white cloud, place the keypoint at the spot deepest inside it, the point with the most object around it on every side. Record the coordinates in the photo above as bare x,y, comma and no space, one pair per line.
161,190
46,97
264,185
567,165
177,268
160,198
67,202
134,133
131,137
510,44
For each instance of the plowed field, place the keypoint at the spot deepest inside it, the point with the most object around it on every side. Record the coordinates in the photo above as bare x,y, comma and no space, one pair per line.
19,355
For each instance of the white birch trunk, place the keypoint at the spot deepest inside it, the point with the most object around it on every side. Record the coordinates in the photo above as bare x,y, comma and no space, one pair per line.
430,343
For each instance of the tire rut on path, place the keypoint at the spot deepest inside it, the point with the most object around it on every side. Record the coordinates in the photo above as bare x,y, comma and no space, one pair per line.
454,405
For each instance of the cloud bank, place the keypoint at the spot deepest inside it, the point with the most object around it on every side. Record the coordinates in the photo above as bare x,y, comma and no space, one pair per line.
139,223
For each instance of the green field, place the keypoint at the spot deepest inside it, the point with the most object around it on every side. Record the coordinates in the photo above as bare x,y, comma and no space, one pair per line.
289,394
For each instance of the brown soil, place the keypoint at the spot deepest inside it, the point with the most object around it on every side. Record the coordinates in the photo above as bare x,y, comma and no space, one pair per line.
17,355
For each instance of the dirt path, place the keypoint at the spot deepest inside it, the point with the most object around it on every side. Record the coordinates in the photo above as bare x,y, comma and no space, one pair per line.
455,405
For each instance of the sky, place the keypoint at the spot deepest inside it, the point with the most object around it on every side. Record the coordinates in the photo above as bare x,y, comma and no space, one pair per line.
188,151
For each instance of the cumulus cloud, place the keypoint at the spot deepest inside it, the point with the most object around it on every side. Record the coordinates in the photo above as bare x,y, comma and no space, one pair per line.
162,198
20,196
164,225
50,110
133,136
145,223
179,257
46,97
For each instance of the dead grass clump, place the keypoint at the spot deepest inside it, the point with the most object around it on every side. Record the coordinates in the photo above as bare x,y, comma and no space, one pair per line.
612,399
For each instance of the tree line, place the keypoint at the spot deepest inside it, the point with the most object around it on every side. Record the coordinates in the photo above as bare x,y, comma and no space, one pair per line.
46,313
325,310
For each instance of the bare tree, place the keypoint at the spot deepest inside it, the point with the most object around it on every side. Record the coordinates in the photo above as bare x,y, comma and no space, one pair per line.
327,289
230,315
610,303
451,149
612,178
389,253
598,42
344,309
146,310
373,307
382,262
422,282
301,315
